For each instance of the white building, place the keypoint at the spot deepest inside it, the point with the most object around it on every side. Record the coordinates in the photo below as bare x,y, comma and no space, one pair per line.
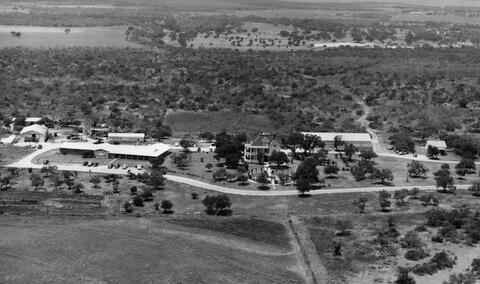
34,133
440,144
126,137
359,140
109,151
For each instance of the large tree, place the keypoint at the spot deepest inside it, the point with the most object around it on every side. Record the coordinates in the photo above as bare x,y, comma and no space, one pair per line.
293,141
278,157
230,148
416,169
443,179
307,170
310,142
367,154
383,175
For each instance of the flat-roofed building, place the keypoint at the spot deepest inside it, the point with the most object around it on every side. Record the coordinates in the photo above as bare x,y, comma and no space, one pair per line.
359,140
126,137
109,151
440,144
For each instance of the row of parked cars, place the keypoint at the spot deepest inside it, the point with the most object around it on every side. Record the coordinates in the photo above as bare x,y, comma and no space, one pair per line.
90,164
110,166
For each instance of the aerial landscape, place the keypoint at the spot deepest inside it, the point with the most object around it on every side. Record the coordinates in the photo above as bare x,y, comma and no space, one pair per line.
226,141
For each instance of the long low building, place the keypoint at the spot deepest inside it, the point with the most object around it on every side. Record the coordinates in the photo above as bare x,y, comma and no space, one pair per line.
110,151
126,137
359,140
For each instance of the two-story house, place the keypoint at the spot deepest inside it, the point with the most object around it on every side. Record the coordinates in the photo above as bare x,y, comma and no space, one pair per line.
260,148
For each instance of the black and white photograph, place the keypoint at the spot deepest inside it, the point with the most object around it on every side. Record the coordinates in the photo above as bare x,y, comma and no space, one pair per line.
240,141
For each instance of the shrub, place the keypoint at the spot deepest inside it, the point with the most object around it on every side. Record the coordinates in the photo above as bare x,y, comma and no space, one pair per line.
476,266
138,201
194,195
439,261
147,195
420,228
437,239
404,277
467,278
157,206
127,206
411,240
416,254
167,206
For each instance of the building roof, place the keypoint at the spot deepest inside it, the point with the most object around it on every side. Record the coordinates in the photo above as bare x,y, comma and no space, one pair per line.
436,143
349,137
8,140
126,135
263,140
153,150
33,119
34,128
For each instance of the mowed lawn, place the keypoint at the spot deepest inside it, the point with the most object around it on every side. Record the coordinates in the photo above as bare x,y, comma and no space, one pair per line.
133,250
55,37
196,122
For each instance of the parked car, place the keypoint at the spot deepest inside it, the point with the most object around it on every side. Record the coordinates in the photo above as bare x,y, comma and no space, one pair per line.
139,167
95,164
117,166
46,162
90,164
125,166
110,166
85,163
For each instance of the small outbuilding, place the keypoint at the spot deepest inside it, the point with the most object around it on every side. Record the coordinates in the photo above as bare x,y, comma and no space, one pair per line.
440,144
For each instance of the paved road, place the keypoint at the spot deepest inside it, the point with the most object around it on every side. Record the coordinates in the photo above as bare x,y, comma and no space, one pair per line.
26,162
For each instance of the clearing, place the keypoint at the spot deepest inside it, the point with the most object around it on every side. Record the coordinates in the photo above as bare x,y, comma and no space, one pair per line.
55,37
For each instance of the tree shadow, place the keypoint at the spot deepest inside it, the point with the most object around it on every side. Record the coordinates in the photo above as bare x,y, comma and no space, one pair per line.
331,177
304,195
445,191
225,212
168,212
263,187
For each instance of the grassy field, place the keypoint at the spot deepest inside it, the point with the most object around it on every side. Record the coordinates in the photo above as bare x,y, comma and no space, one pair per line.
134,250
10,154
195,122
53,37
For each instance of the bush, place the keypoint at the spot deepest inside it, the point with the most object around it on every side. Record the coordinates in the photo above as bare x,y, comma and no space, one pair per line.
437,239
416,254
404,277
439,261
411,240
127,206
138,201
194,195
157,206
476,266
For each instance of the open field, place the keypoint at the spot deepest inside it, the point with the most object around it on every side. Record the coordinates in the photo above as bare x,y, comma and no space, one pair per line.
10,154
52,37
134,250
196,122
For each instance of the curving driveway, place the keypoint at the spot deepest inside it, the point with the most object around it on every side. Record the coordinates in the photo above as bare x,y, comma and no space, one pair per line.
26,162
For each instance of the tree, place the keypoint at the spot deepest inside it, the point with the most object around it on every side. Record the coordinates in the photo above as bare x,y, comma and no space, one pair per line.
416,169
56,180
216,204
127,206
475,188
115,186
429,199
465,166
414,193
263,180
337,142
243,179
185,144
95,180
4,183
404,277
310,142
303,186
157,162
67,30
138,201
133,190
293,141
307,170
230,148
278,157
37,181
331,170
209,167
156,179
402,142
432,152
70,183
350,151
384,199
77,187
67,175
360,204
147,194
383,175
166,206
344,227
400,195
443,179
367,154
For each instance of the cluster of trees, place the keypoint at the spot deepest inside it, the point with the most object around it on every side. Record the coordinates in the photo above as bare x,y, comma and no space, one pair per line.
229,147
217,204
